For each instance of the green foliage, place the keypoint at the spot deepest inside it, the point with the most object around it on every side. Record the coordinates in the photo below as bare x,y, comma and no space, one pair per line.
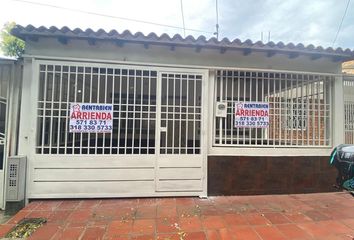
25,228
11,45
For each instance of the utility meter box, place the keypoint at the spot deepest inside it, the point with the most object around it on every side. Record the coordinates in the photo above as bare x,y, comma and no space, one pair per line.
221,109
16,178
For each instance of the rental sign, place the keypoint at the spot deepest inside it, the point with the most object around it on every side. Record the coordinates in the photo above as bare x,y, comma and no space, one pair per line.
91,117
251,115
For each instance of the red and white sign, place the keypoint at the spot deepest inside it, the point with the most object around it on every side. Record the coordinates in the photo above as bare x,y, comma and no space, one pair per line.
91,117
251,115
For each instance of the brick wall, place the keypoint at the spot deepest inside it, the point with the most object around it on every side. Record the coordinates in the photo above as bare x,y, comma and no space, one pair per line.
349,137
238,175
313,133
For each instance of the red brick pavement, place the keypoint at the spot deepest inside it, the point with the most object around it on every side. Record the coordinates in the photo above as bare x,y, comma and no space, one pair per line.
322,216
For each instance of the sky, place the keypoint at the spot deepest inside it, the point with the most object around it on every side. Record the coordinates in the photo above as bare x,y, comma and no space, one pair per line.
299,21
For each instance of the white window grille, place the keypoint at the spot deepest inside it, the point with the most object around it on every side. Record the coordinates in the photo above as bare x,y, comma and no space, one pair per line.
296,114
299,108
181,113
349,109
132,91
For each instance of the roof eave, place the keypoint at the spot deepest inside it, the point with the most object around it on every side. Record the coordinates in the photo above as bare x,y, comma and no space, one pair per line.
270,51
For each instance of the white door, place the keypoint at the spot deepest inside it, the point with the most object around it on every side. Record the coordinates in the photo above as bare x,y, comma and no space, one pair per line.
180,153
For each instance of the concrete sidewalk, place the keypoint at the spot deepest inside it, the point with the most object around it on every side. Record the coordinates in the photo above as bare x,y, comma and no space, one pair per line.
302,216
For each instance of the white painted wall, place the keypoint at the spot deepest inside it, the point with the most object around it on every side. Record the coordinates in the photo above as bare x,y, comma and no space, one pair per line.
105,50
11,72
6,77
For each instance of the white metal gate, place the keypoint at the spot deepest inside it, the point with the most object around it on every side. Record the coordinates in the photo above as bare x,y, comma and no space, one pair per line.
180,160
299,108
155,148
349,109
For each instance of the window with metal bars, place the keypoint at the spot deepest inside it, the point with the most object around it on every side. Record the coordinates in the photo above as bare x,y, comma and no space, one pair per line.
181,113
132,92
349,109
299,108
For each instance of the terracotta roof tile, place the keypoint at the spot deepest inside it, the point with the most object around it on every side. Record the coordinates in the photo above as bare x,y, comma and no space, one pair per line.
201,41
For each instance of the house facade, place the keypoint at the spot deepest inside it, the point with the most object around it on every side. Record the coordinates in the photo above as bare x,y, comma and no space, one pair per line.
108,114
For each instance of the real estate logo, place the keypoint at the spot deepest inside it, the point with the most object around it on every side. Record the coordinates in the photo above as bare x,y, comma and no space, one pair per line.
251,115
91,117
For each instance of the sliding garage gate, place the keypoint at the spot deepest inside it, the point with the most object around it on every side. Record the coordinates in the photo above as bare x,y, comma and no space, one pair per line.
154,148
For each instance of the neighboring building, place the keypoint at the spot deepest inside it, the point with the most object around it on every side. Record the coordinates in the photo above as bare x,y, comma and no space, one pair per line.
190,117
349,108
348,67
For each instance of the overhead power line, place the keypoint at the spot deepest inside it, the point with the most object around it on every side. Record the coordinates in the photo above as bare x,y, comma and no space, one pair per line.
184,26
341,22
111,16
217,20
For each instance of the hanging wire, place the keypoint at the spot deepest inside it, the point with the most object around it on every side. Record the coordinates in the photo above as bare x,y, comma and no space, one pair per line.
110,16
184,26
341,22
217,20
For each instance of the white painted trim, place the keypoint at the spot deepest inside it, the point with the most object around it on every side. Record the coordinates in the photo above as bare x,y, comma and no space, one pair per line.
209,91
89,60
239,151
127,65
204,136
109,195
26,142
24,111
338,111
15,107
211,110
33,123
157,129
8,123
